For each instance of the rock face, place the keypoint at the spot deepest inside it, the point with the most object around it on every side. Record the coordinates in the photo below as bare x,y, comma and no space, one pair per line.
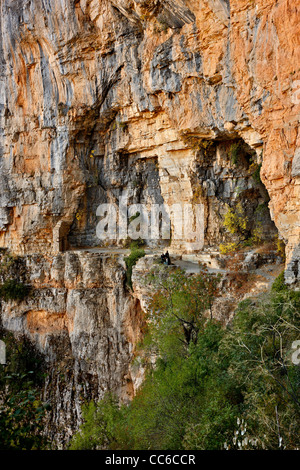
174,101
81,318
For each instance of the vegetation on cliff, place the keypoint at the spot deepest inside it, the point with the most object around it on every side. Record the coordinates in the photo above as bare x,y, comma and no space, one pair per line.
22,411
12,286
13,290
136,252
235,387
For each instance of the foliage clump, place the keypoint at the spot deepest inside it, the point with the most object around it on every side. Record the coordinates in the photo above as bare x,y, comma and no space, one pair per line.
180,302
226,248
22,411
21,417
198,194
203,146
102,425
131,260
220,387
236,222
247,232
279,284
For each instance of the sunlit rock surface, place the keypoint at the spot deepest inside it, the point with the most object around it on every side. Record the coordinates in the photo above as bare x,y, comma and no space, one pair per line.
102,96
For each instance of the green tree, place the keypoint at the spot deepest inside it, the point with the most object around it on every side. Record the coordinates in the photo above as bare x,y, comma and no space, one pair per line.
21,416
22,412
259,347
179,303
103,425
135,254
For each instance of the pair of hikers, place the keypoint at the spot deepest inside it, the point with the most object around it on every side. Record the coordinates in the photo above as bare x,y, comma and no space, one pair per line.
165,258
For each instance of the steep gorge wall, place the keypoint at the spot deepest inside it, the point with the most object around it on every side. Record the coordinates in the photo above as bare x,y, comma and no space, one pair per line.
99,96
82,320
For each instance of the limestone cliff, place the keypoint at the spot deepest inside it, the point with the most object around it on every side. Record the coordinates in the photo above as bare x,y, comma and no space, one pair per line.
94,92
99,96
81,318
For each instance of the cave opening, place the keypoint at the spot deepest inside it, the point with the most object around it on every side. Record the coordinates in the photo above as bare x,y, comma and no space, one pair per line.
226,179
109,177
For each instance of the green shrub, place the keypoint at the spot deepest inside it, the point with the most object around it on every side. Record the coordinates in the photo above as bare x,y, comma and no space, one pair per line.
239,224
204,146
21,419
280,245
133,217
198,392
13,290
102,423
22,411
21,357
131,260
135,244
279,284
236,220
226,248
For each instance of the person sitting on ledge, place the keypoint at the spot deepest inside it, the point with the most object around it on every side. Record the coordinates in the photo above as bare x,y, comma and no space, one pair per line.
168,259
165,258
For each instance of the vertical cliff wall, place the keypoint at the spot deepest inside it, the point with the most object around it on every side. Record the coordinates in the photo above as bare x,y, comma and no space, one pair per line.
99,96
89,89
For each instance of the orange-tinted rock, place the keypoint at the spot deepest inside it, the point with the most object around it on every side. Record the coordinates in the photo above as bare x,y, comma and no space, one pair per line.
102,96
